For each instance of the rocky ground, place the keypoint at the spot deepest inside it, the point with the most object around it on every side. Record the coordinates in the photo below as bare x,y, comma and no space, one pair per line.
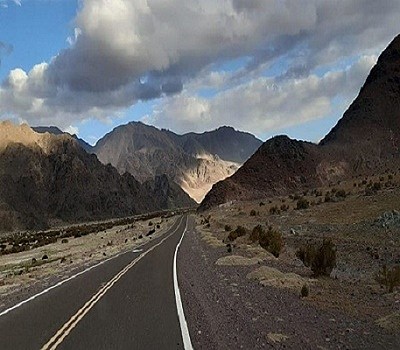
243,297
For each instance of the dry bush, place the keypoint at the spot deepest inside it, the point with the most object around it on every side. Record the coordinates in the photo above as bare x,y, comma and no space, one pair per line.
255,233
302,203
239,232
274,210
321,259
271,241
389,277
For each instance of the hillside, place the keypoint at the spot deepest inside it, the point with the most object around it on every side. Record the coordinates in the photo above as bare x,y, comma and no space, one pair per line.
366,140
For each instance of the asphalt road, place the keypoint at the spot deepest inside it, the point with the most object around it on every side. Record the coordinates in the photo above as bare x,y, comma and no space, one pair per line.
128,302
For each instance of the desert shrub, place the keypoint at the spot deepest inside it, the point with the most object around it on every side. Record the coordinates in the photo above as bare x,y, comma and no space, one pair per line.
151,232
373,188
305,291
255,233
321,259
390,177
284,207
271,241
318,193
340,194
296,197
274,210
262,204
253,212
45,257
389,277
64,240
377,186
302,203
228,228
239,232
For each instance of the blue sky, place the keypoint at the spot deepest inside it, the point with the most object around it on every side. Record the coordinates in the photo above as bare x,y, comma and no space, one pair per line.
277,67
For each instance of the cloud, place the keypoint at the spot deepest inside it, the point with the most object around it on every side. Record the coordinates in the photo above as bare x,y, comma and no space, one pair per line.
264,104
124,51
4,3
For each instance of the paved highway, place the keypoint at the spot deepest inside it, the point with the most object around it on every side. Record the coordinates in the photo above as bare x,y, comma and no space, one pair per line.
129,302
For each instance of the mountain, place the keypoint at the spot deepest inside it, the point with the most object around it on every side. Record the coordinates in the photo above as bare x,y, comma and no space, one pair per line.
46,178
193,161
56,131
364,141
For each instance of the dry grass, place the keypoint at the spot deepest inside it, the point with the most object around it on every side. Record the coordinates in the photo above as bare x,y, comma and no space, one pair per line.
269,276
237,260
277,337
391,322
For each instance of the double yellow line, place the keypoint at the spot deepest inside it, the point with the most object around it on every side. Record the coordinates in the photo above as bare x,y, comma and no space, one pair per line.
66,329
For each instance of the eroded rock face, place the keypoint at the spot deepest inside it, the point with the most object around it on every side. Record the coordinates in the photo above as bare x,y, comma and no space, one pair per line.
365,140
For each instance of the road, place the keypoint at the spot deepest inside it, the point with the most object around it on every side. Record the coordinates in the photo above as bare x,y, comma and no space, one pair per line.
129,302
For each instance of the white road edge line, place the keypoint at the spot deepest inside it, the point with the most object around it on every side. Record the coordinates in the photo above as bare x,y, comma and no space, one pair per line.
187,344
63,281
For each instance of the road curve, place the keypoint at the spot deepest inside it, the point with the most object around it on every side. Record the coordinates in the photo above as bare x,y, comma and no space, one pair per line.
128,302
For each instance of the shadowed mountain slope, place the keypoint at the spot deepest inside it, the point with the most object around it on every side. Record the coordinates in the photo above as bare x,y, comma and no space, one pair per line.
46,178
364,141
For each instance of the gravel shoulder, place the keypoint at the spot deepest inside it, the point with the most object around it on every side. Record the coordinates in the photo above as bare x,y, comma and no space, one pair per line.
227,310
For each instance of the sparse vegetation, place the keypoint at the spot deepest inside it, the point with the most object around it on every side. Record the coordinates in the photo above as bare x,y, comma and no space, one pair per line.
228,228
321,259
341,194
239,232
271,241
305,291
255,233
302,203
284,207
274,210
389,277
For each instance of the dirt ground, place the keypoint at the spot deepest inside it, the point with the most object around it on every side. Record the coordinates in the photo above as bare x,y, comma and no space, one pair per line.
363,222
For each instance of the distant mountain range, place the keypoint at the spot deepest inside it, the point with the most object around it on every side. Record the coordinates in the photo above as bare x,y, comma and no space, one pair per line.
193,161
46,178
365,141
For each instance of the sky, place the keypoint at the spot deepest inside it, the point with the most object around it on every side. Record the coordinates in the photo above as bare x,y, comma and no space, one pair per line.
268,67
